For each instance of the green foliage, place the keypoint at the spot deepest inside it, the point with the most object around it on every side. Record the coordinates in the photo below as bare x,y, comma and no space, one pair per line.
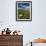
23,14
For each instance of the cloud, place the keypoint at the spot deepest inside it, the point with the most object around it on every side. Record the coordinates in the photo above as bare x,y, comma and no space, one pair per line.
23,5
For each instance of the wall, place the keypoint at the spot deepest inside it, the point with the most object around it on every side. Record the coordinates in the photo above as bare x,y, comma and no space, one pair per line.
31,30
39,18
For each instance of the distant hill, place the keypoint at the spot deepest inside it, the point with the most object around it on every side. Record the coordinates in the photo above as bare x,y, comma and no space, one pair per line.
39,40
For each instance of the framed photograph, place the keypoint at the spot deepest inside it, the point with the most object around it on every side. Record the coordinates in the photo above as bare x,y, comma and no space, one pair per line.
23,10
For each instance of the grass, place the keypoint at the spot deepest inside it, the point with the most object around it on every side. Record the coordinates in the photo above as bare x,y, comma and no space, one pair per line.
23,14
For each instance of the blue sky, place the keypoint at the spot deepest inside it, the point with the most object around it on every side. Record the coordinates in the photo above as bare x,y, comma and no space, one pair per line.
23,5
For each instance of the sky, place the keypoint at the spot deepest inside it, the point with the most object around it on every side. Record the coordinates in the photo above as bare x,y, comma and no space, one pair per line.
23,5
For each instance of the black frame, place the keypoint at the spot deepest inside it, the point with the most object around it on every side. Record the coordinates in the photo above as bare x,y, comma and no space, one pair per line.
16,11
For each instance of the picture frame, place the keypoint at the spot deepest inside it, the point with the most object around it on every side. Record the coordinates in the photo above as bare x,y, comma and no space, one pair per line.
23,10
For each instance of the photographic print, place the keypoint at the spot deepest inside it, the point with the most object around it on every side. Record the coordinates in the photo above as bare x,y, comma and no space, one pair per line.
23,10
